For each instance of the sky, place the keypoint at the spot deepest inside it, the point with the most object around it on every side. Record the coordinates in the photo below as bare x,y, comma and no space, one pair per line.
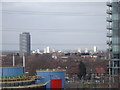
60,25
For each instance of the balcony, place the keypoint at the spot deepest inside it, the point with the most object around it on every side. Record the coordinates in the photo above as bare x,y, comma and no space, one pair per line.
109,66
109,11
109,34
109,50
109,4
109,27
109,42
109,19
116,67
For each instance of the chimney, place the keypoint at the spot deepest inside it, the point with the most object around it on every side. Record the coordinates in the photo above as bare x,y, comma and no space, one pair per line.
13,60
23,60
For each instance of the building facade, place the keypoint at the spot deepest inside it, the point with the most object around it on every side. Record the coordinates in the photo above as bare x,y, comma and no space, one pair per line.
25,43
113,34
14,78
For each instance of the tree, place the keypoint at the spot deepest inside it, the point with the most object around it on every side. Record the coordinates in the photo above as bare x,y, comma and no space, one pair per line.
82,70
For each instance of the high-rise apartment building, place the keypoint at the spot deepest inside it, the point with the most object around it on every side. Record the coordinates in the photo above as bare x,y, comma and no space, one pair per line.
113,34
95,49
25,46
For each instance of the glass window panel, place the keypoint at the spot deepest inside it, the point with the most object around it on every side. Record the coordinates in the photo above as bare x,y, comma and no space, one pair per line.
115,17
116,40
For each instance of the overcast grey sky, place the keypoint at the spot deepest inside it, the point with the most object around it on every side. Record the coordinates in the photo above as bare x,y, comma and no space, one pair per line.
60,25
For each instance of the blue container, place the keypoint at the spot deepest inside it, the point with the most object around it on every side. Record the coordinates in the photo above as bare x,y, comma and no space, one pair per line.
11,71
49,75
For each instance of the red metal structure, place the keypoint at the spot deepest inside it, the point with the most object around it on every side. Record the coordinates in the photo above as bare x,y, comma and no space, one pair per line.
56,83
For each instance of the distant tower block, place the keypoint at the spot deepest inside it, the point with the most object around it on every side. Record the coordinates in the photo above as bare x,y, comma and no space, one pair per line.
95,49
25,43
86,50
44,50
47,49
79,50
53,50
38,50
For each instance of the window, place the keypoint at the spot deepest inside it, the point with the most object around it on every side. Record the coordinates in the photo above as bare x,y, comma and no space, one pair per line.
116,56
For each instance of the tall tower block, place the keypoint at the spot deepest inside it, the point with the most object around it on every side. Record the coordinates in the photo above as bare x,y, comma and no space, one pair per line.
113,34
25,43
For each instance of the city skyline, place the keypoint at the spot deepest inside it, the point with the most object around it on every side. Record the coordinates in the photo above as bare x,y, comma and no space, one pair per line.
60,25
60,44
